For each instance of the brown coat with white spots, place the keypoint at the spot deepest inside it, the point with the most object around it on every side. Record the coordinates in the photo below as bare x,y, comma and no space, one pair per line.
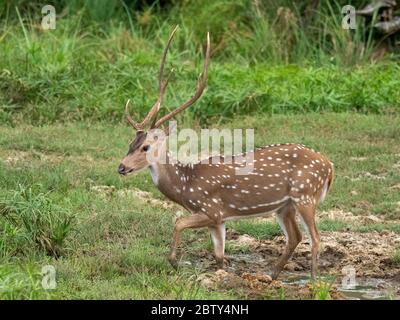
288,179
281,174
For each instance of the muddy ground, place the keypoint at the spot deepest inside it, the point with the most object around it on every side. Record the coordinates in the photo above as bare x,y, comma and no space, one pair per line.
370,254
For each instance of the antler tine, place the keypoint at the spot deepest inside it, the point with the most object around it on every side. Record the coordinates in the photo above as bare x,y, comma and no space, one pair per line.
162,84
134,124
202,83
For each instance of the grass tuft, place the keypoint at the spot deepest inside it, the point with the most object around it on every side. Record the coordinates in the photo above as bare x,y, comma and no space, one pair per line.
36,220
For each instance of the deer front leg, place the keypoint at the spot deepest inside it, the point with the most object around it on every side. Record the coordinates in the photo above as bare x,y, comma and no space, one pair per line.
197,220
218,238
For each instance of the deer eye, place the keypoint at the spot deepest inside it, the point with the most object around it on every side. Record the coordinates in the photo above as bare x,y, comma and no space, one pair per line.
146,148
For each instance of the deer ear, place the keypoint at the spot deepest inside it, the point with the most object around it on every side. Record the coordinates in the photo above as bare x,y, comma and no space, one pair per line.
171,128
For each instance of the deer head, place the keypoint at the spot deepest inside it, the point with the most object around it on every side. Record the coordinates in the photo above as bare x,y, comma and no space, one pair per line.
152,138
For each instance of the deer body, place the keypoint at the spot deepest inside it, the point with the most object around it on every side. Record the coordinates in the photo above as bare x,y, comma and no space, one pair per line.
288,179
282,173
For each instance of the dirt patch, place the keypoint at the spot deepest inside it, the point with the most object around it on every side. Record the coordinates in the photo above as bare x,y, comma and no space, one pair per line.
367,175
144,196
368,253
395,187
347,216
14,157
339,215
358,158
259,285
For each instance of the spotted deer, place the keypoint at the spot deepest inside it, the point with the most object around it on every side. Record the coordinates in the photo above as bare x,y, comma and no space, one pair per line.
288,179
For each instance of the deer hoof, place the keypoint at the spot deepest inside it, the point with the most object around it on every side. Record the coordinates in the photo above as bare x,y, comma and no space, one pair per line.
275,274
173,263
220,263
227,261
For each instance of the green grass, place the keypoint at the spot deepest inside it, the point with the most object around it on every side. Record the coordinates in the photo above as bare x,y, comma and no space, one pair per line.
32,219
100,56
21,282
396,257
332,225
260,230
118,243
321,289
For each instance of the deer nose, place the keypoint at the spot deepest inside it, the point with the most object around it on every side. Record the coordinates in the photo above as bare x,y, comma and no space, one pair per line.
121,169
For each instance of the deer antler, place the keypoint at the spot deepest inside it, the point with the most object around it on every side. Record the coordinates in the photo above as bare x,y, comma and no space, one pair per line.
202,83
162,84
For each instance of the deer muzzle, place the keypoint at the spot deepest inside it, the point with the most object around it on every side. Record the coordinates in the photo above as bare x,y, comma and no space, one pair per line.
122,169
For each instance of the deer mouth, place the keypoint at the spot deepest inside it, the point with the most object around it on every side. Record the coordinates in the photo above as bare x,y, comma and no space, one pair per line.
124,170
128,172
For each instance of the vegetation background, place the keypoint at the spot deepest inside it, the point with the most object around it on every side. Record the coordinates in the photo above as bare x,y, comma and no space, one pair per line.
286,68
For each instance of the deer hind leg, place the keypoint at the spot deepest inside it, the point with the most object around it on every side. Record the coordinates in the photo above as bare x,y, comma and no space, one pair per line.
218,234
307,213
287,220
197,220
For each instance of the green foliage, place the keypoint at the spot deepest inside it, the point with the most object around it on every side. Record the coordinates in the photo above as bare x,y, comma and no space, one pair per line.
259,230
233,247
396,257
27,216
332,225
20,283
266,59
321,289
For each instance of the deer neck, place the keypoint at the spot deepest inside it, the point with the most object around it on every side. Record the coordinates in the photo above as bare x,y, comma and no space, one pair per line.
167,175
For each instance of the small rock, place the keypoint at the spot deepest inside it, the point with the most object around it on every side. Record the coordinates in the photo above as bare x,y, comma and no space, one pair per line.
206,282
293,266
358,158
246,240
276,284
263,278
221,273
371,219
